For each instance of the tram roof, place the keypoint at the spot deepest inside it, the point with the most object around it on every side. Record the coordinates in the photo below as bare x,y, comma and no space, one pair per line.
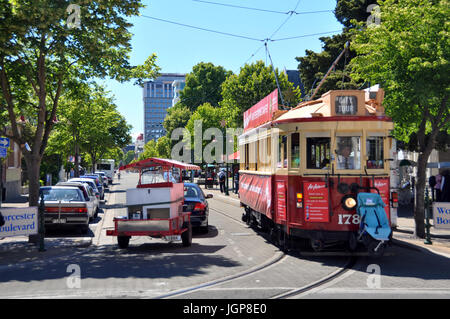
154,161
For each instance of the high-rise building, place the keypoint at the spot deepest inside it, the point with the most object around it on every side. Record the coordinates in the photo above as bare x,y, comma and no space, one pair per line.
158,97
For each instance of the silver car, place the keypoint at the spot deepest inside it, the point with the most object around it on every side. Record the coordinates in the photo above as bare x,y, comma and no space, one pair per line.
89,195
65,206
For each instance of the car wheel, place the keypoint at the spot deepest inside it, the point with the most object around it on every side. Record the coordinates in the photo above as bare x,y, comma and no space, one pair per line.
96,212
123,241
186,236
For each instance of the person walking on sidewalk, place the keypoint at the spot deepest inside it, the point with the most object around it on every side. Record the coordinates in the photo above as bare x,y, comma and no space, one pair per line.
221,176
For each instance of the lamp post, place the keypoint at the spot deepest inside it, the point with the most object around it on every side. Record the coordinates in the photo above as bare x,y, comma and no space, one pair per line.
41,231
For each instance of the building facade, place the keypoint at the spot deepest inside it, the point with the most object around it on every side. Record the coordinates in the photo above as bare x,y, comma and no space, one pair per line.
158,96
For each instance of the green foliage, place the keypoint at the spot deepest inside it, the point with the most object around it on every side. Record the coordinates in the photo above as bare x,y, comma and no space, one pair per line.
313,66
41,57
409,55
177,116
128,157
203,85
90,120
254,82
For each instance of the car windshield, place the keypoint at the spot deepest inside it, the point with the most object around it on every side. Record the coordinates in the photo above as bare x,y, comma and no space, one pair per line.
62,194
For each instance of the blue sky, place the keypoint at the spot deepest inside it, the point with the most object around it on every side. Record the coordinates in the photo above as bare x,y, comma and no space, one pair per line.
179,48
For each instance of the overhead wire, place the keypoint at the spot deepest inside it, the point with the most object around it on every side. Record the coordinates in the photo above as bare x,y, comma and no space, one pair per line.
203,29
262,10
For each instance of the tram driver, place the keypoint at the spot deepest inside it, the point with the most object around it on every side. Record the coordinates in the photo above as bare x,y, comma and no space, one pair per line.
345,158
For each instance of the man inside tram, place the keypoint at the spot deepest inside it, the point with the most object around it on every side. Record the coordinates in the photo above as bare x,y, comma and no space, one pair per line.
345,160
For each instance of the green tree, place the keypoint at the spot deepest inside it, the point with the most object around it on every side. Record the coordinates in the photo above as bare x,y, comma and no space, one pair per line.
203,85
408,53
128,157
313,66
254,82
41,55
177,116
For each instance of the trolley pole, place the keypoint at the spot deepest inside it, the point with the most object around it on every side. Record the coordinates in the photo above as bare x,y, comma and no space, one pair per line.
427,214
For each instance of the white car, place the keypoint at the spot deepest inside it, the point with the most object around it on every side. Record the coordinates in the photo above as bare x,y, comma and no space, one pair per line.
93,203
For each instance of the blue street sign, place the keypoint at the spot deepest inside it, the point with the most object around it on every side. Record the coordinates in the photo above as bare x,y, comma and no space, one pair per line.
3,152
4,142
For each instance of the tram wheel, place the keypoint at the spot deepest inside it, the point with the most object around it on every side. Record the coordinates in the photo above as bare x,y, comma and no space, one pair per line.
317,245
123,241
186,237
352,243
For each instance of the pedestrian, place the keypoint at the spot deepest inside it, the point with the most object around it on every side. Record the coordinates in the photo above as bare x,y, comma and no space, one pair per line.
445,186
221,176
437,187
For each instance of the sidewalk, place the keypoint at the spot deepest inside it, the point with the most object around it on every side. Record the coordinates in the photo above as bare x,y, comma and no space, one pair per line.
17,249
403,233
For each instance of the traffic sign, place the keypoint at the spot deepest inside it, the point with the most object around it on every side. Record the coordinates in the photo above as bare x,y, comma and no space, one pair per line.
4,142
3,152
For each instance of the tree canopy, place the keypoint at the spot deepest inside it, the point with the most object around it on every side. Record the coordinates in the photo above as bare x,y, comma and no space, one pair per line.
408,54
203,85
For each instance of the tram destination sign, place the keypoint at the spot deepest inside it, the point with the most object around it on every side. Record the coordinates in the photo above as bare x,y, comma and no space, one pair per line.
346,105
261,112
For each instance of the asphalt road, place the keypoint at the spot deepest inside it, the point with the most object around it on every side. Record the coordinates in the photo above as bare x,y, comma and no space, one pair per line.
231,261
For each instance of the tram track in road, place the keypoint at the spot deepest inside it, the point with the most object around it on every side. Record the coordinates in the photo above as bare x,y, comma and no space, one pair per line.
276,259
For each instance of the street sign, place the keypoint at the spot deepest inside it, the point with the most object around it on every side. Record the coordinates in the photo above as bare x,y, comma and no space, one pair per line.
19,221
3,152
441,215
4,142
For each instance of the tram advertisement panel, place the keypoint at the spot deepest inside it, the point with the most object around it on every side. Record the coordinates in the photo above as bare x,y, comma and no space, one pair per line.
256,192
281,200
383,186
261,112
316,202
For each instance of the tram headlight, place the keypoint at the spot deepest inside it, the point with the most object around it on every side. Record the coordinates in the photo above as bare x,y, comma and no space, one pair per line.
348,202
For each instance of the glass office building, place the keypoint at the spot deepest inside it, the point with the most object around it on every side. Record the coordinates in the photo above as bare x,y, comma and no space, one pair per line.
158,97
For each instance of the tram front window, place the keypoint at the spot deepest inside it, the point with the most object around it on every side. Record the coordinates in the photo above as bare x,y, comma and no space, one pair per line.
375,152
349,152
317,152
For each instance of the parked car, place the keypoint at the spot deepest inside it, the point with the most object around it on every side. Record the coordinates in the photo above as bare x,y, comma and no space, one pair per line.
88,181
98,183
105,178
65,206
196,203
89,195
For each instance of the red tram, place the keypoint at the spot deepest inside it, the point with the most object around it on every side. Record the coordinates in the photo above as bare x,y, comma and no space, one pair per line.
301,169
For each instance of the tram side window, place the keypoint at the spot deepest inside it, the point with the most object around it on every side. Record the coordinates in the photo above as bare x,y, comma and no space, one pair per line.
375,152
295,150
349,152
282,152
317,152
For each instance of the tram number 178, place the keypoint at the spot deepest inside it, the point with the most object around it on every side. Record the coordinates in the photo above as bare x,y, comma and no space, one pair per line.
348,219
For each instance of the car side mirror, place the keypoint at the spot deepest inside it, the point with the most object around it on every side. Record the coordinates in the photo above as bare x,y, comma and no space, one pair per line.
209,196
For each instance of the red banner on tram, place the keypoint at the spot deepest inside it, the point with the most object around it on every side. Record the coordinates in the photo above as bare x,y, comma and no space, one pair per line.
261,112
256,192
